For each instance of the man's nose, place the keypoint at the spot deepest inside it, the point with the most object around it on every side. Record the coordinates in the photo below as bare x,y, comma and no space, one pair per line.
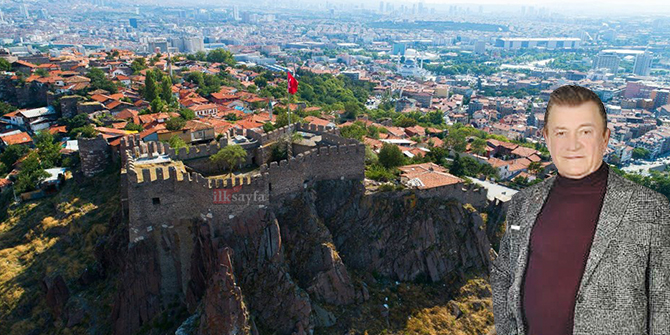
574,144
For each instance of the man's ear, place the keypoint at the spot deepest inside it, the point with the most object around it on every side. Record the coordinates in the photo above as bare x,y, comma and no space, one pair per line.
544,134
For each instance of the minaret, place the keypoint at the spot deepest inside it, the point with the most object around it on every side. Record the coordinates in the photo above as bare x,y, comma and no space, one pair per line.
169,62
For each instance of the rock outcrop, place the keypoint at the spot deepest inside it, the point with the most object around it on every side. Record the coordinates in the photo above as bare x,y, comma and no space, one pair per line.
224,312
286,268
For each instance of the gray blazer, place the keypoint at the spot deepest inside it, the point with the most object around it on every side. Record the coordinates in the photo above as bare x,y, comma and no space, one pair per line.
625,288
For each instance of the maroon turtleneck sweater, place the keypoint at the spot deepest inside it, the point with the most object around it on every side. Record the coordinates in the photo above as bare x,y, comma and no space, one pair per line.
560,243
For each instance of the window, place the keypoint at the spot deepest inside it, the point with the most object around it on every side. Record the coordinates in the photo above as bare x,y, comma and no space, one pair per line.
156,201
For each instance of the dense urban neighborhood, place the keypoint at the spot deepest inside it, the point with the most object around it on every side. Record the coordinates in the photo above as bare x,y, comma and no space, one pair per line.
111,109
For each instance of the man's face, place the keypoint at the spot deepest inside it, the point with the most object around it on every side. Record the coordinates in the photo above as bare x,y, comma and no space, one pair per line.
575,138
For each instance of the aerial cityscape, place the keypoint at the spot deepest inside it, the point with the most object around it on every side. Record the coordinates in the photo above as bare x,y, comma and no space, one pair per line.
293,167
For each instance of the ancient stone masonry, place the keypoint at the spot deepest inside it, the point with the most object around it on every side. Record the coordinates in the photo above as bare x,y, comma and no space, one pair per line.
159,191
94,154
271,247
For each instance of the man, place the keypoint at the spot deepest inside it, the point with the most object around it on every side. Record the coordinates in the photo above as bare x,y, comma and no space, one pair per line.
586,251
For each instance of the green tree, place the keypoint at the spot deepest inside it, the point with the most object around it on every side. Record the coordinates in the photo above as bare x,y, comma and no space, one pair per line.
12,153
150,89
42,73
535,167
166,90
351,110
231,155
404,121
455,140
456,167
48,149
260,82
5,107
279,150
99,81
390,156
187,114
133,126
177,143
77,121
378,173
87,131
138,64
478,146
5,65
230,117
220,55
157,105
641,153
30,175
175,123
268,127
353,131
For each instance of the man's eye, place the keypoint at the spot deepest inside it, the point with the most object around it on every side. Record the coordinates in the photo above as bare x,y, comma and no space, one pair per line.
587,132
560,133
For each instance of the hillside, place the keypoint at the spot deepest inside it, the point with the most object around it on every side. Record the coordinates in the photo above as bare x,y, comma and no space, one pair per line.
49,275
332,259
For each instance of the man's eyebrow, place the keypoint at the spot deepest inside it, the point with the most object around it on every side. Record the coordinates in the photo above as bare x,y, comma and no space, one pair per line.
589,124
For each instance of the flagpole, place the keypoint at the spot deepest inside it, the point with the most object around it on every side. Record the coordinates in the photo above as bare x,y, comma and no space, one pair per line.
288,111
288,102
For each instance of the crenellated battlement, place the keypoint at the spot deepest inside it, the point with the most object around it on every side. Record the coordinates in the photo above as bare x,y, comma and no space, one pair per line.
156,174
160,188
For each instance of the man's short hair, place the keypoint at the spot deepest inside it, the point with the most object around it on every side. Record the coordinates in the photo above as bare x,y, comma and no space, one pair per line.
574,95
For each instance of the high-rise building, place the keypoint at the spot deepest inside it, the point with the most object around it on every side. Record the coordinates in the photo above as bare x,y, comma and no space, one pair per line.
381,6
133,22
24,11
160,44
480,47
660,97
399,48
193,44
607,60
642,65
236,13
542,42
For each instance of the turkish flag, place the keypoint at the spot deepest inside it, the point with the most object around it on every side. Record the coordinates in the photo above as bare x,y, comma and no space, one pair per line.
292,84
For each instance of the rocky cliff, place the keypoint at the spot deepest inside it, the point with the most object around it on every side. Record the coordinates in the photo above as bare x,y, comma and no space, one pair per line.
313,262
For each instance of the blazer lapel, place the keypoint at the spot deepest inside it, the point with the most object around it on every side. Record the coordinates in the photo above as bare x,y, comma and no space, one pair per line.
616,198
613,209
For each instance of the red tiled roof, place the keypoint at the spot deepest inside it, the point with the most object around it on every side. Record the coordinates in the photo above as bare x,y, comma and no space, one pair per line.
248,124
57,129
5,182
429,174
524,151
317,121
24,63
20,138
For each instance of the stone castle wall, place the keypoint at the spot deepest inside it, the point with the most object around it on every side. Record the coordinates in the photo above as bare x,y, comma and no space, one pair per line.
94,154
323,163
159,197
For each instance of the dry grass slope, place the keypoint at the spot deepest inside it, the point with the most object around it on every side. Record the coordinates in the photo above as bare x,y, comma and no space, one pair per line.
55,235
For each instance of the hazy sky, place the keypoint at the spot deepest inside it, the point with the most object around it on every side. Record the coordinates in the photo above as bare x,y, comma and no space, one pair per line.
588,7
